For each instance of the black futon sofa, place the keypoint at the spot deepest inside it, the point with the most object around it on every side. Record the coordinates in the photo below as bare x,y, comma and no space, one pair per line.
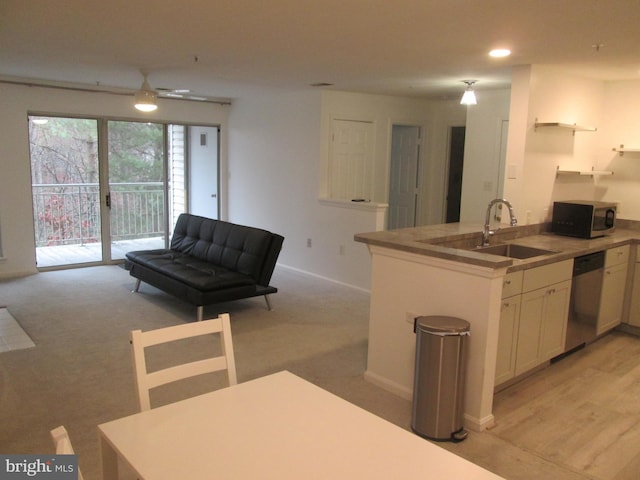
210,261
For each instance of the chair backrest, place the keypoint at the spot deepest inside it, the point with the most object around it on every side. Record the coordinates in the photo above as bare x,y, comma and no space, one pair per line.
146,380
62,442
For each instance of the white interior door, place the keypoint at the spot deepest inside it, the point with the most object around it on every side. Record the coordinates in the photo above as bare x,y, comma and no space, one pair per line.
203,171
404,179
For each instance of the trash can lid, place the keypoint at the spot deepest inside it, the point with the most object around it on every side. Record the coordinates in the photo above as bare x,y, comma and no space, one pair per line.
442,324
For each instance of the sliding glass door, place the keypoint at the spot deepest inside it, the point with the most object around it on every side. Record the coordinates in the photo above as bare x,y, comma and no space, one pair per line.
66,190
136,197
104,187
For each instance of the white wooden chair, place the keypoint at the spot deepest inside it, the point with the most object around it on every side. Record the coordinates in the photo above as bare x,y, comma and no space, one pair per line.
62,442
146,380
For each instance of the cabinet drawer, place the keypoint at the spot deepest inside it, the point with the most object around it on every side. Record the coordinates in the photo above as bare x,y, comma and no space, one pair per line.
616,256
539,277
512,284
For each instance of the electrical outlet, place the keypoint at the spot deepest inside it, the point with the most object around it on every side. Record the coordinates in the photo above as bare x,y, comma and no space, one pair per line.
308,242
341,250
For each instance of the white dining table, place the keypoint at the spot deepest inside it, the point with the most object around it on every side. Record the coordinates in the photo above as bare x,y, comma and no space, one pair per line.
274,427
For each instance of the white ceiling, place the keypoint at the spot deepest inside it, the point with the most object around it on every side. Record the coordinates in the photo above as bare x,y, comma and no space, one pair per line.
400,47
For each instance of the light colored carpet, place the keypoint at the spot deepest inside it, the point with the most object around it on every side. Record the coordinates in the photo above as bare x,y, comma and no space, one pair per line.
79,373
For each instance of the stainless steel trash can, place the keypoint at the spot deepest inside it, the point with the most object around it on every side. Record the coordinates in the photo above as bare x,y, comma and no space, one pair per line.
438,387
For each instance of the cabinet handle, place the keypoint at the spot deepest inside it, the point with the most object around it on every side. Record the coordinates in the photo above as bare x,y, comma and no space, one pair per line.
551,291
507,282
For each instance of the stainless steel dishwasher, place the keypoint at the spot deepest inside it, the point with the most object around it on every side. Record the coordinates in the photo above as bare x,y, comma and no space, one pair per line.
588,271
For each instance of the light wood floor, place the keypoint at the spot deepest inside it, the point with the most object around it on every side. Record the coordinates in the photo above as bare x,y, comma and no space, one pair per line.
582,413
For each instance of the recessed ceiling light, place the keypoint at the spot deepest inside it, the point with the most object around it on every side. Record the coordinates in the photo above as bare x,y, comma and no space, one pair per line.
499,52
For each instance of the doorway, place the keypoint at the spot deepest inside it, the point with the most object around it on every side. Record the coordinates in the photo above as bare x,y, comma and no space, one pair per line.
203,171
404,176
454,181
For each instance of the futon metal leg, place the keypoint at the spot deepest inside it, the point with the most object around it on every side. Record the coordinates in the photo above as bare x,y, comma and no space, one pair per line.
137,287
200,309
266,298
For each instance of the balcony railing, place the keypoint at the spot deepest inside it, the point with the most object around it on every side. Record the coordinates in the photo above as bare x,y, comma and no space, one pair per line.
69,214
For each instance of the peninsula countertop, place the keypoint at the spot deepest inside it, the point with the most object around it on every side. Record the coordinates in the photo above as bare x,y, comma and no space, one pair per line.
457,242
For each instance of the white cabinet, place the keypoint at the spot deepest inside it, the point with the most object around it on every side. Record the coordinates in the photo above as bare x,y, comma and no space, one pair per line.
533,324
613,286
554,320
508,339
543,325
508,332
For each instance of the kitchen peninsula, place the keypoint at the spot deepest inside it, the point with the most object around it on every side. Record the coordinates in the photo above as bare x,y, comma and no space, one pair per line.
435,270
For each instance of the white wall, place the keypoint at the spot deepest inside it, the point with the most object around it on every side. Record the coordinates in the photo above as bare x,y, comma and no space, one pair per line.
274,147
620,125
480,179
556,96
16,102
550,94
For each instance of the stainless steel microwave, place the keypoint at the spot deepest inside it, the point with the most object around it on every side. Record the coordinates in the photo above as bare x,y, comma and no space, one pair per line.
583,219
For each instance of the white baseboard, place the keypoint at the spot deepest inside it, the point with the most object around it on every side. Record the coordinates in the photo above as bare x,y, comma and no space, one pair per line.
479,425
16,274
388,385
305,272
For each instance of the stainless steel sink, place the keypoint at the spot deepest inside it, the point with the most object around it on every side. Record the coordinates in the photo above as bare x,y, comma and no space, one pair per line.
513,250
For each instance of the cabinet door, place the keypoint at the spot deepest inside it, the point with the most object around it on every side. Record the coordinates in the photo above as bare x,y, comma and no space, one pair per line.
512,284
617,255
529,330
543,325
612,297
554,322
507,339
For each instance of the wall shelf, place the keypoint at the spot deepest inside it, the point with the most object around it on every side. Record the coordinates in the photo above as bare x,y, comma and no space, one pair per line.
583,173
574,127
621,150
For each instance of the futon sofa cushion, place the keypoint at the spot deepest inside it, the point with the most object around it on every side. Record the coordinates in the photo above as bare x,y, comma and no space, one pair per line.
196,273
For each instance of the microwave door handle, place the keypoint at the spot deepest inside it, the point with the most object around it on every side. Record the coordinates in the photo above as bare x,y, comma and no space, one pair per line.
610,217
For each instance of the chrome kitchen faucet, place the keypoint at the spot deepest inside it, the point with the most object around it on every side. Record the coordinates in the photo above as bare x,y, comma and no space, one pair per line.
486,231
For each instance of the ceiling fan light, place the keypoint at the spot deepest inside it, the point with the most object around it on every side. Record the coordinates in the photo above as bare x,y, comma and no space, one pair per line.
145,99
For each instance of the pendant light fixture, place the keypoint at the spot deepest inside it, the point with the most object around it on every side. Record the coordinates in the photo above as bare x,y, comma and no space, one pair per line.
469,96
146,99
